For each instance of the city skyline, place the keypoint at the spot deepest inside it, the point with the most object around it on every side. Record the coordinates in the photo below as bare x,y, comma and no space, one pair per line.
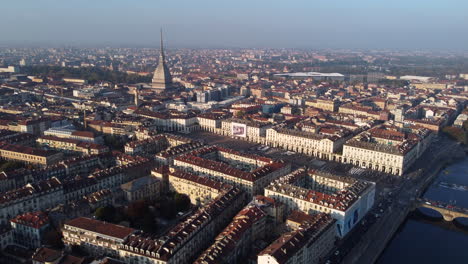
419,25
260,132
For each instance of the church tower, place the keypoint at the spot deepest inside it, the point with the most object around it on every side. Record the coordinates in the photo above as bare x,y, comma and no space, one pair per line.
162,79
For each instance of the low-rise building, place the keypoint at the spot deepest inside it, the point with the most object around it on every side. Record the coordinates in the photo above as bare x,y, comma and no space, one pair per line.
29,155
72,145
144,188
324,104
29,229
150,145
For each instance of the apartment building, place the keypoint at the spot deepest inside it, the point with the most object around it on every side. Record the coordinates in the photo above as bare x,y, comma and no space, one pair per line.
346,199
72,145
94,236
324,104
309,243
29,155
309,143
248,172
184,240
30,198
386,149
29,229
254,222
200,190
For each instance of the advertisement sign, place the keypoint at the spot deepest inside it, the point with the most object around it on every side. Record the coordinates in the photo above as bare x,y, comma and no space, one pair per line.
239,130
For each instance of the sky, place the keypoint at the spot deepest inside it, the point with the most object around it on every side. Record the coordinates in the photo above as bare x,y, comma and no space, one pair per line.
305,24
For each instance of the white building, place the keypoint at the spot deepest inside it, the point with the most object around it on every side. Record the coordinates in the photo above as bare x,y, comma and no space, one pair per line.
346,199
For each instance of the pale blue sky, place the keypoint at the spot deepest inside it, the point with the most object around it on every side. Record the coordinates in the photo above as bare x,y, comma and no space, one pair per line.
394,24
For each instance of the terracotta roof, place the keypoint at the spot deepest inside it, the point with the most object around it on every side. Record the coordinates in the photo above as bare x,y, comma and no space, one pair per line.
34,220
108,229
46,255
87,134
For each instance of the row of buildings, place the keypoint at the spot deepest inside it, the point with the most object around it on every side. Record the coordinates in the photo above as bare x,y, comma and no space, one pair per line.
301,229
180,244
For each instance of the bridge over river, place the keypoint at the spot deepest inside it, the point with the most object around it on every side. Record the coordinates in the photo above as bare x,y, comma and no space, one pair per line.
448,212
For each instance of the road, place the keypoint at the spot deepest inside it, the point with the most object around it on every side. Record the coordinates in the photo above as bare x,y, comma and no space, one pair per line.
394,195
403,195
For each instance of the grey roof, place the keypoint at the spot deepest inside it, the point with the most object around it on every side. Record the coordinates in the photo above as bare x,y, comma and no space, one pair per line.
138,184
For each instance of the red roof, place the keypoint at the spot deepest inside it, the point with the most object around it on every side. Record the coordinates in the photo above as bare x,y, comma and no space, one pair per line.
88,134
101,227
34,220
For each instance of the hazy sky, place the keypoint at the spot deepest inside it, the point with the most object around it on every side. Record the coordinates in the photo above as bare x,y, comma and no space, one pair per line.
394,24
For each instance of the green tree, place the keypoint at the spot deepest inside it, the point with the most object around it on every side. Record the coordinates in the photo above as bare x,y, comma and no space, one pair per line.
136,210
182,202
240,113
167,209
114,142
53,238
10,165
456,133
106,213
148,223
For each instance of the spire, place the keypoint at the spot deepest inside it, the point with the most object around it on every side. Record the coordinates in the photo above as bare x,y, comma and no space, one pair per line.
161,45
162,78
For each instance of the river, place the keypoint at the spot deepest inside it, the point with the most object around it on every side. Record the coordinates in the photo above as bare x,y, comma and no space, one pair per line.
419,240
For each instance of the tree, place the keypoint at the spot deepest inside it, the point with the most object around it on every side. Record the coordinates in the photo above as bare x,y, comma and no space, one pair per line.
92,74
136,210
182,202
114,142
456,133
106,213
53,238
10,165
240,113
168,209
148,223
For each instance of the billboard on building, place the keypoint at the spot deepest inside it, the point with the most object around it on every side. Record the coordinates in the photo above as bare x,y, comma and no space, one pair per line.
239,130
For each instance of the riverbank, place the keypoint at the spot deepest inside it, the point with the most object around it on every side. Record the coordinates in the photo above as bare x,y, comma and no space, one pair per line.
425,234
376,239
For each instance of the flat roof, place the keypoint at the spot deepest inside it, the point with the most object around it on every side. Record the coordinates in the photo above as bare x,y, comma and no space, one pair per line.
310,74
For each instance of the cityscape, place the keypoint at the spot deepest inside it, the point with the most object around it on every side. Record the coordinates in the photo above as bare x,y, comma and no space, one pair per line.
152,150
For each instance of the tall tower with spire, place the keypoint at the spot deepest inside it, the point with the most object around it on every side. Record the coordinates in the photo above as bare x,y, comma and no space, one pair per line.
162,79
